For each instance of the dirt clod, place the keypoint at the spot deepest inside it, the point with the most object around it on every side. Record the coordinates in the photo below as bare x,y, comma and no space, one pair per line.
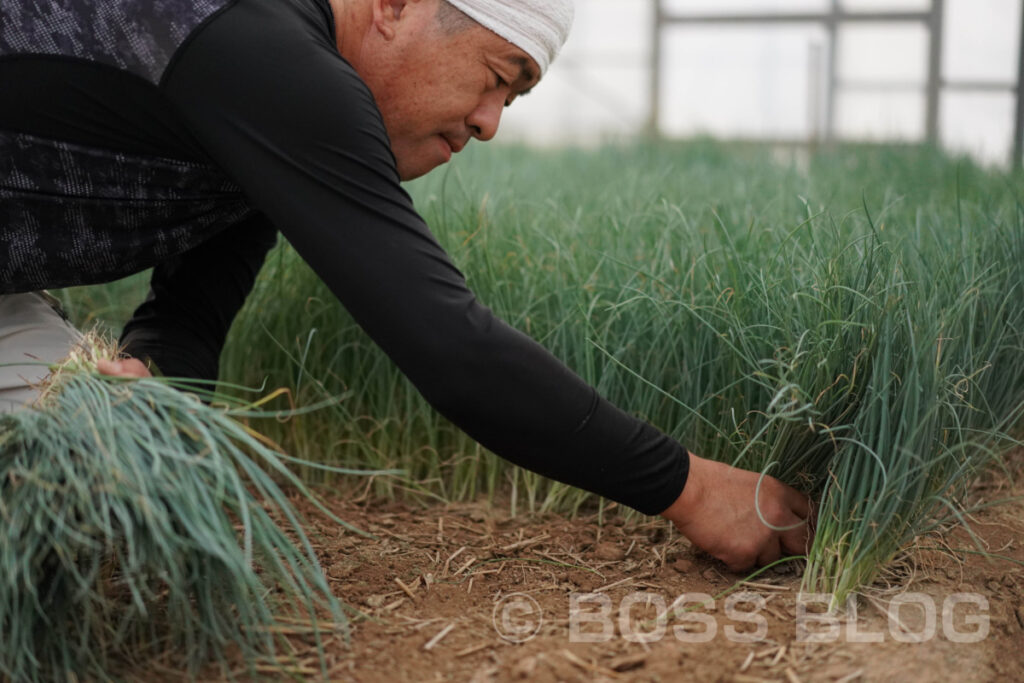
524,668
584,580
609,551
375,600
683,566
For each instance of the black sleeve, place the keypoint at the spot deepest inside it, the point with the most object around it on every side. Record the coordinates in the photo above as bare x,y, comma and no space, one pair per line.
193,298
264,90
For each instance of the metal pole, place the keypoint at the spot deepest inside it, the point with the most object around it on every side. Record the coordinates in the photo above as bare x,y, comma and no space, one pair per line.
654,102
832,27
934,71
814,87
1018,131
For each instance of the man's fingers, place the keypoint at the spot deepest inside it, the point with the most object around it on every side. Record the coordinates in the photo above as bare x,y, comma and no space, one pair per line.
797,541
770,552
798,502
739,519
109,367
739,567
130,367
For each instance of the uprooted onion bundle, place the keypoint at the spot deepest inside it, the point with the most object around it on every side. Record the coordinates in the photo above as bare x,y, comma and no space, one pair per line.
136,521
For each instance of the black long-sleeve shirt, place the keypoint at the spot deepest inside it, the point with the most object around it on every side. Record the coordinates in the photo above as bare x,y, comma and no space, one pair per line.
182,134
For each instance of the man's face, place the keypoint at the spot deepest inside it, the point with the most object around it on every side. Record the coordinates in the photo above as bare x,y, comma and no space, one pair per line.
435,89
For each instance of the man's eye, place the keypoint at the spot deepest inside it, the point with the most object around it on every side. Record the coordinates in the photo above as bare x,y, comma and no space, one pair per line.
499,81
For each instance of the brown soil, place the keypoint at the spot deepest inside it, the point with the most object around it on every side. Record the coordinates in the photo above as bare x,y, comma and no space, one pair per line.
434,585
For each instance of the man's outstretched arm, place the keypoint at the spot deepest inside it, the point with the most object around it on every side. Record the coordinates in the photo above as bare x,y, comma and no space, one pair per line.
308,146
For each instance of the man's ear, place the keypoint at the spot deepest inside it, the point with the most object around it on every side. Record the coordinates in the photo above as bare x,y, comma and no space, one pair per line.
386,15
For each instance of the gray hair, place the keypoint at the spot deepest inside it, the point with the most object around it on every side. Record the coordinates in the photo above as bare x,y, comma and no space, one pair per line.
452,20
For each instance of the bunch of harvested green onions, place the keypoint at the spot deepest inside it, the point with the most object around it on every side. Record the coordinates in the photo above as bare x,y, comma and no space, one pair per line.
138,522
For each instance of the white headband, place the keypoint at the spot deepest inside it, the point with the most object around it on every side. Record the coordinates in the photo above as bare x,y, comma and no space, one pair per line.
537,27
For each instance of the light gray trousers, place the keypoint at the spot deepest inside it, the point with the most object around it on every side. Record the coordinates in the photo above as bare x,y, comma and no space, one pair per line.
33,333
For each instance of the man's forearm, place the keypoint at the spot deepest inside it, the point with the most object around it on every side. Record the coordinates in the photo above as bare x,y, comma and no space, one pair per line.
182,325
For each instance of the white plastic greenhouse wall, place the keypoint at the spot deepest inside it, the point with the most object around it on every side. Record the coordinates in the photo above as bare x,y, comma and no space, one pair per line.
761,81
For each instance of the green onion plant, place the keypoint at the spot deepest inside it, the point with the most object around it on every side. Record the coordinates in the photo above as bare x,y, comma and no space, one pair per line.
851,321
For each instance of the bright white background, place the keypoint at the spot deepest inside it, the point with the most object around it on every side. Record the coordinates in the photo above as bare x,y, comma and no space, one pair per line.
757,81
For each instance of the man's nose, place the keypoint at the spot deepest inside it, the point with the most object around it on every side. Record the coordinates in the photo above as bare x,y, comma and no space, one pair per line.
484,120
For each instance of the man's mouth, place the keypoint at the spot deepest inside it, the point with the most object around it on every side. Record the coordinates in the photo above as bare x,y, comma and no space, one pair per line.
455,146
446,148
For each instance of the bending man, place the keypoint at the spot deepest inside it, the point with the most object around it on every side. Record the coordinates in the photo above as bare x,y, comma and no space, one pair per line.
183,134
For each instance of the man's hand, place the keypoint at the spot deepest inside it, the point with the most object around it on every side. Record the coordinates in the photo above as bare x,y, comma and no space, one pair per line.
126,367
717,512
